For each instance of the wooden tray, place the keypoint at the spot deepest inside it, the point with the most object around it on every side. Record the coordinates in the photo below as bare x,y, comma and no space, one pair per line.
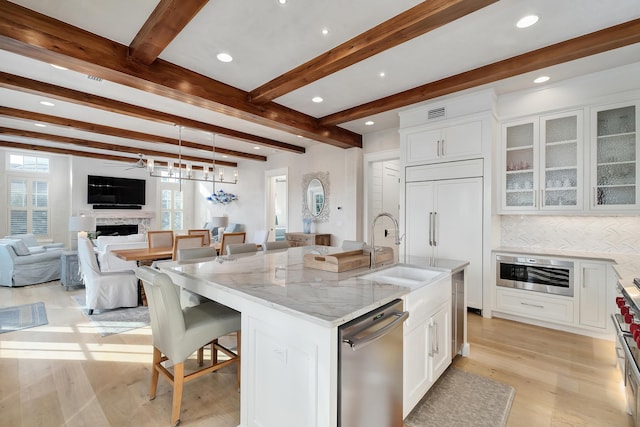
345,261
339,262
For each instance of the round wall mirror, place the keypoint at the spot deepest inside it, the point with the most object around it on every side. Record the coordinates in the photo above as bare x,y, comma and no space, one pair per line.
315,197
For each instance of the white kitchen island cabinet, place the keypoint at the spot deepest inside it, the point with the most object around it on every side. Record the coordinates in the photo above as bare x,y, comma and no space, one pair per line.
427,340
290,320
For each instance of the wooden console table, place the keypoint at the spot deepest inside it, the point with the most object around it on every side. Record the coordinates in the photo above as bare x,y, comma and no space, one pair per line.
302,239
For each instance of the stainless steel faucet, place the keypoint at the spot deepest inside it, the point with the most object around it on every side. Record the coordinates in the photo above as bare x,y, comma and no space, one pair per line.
373,245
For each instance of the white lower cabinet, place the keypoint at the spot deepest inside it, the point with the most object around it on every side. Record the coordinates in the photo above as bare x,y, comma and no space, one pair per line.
427,340
587,311
593,294
536,305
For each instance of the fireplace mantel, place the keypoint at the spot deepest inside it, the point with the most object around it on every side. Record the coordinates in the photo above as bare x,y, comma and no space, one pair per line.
119,214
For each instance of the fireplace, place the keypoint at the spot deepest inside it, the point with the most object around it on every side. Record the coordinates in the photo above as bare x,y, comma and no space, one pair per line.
117,230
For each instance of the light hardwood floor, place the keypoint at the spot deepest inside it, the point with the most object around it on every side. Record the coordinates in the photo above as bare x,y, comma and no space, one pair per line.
64,374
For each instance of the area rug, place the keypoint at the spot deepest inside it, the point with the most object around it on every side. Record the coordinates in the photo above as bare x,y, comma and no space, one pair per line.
22,317
116,321
460,398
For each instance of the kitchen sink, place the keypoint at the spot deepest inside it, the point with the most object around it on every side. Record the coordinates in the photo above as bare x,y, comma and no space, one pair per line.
404,275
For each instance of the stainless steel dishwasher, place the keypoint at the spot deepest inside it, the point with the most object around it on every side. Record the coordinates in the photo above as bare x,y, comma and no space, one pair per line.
370,368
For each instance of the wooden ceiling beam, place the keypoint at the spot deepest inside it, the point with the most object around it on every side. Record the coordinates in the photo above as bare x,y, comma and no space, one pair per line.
37,36
118,132
110,147
75,153
615,37
419,20
23,84
163,25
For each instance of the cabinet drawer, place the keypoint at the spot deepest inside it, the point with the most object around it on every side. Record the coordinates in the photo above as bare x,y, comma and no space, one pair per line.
421,302
534,305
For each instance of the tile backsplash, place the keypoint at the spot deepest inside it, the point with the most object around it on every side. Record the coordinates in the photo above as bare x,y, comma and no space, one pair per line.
576,233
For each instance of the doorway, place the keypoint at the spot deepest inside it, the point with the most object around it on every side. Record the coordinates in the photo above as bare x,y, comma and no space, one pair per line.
383,195
277,204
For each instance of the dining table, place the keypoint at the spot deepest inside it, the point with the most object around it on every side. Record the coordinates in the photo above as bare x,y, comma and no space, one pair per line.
144,256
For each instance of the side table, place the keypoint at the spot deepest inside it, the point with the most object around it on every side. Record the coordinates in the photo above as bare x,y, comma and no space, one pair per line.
69,272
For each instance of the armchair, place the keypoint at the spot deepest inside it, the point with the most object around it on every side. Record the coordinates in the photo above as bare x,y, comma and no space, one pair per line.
105,290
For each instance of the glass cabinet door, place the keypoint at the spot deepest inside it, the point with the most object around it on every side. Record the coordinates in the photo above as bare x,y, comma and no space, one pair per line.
614,158
561,156
520,140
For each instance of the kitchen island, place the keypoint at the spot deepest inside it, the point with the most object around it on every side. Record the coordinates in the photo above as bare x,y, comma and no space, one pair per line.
290,319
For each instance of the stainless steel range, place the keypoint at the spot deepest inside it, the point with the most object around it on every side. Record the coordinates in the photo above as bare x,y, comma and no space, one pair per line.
627,324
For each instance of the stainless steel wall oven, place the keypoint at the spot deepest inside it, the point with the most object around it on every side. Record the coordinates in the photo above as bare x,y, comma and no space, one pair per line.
535,274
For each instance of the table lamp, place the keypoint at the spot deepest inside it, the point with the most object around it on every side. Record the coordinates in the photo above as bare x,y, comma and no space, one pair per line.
82,224
218,222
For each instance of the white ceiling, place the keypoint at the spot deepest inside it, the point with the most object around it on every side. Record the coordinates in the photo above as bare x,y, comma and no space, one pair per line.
267,39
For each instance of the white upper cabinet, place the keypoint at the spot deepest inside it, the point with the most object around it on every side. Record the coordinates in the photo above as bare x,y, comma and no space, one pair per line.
543,163
455,141
614,158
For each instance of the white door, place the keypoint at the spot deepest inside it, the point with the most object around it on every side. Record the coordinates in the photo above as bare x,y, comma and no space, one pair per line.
384,196
458,231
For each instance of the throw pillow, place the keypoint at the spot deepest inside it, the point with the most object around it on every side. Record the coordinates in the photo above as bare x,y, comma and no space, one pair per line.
21,248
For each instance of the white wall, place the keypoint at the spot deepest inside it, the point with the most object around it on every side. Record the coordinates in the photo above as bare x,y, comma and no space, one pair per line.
345,188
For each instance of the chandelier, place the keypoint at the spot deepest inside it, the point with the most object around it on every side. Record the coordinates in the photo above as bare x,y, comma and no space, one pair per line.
187,171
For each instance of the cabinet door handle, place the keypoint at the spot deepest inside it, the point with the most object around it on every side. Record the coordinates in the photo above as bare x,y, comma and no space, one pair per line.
442,147
435,218
438,148
431,340
430,228
435,339
532,305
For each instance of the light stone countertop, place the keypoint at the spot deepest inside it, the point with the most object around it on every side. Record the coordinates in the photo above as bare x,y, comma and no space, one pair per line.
278,279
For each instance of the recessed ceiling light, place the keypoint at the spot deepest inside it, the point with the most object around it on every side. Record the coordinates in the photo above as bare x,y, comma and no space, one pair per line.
59,67
282,1
541,79
317,99
325,31
527,21
224,156
369,122
47,103
256,148
224,57
382,74
40,125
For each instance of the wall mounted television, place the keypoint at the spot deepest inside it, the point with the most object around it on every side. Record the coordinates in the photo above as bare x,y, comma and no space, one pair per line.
111,192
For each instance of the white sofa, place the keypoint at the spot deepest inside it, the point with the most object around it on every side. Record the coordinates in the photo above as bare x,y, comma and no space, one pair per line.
24,261
108,261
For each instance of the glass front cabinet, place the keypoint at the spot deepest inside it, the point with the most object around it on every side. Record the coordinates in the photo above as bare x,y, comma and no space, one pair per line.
614,157
542,163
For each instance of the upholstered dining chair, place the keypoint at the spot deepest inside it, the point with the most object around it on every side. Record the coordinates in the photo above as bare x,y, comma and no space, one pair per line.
160,239
241,248
186,242
188,298
105,290
178,333
280,244
228,238
206,234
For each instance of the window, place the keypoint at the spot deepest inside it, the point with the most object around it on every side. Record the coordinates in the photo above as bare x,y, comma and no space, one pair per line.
172,207
28,206
22,163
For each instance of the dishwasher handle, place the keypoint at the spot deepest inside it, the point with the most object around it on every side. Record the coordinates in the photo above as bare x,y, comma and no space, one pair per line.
357,344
